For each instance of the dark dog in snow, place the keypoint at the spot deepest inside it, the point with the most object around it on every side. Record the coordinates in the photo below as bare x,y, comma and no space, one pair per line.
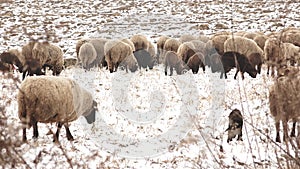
235,125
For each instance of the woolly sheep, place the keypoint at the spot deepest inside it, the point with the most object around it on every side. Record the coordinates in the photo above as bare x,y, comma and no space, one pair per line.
218,43
186,38
50,99
195,62
235,125
173,61
117,52
284,104
260,40
171,44
140,42
144,58
185,51
13,57
203,38
245,47
160,46
291,37
151,50
87,55
98,44
129,42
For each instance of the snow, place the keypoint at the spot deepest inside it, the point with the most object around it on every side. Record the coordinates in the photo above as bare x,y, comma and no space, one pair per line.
146,119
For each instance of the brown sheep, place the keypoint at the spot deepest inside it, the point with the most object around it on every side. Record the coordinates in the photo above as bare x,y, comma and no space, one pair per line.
196,61
87,55
260,40
185,51
173,61
140,42
218,43
13,57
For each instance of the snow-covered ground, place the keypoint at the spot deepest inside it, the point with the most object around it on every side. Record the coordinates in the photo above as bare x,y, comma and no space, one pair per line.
147,119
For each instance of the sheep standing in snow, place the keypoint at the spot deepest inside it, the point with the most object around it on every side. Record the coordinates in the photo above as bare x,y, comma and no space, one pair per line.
235,125
144,59
260,41
98,44
50,99
140,42
284,101
245,47
13,57
173,61
218,43
160,46
196,61
117,52
185,51
170,45
69,62
87,55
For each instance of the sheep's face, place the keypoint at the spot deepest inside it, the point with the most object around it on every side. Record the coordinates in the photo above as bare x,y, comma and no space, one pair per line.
91,117
133,67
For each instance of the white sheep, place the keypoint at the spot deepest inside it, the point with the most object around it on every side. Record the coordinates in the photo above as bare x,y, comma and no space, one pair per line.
51,99
246,47
117,52
87,55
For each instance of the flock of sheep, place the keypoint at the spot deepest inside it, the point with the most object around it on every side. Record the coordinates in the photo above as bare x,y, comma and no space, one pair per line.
223,51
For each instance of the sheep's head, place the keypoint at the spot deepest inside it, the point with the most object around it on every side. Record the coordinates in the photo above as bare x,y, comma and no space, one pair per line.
33,67
133,67
251,70
91,117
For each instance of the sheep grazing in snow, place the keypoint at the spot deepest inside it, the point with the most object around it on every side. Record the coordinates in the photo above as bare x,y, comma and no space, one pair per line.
13,57
241,62
278,54
117,52
218,43
171,45
4,67
50,99
284,101
215,62
144,59
260,41
69,62
129,42
187,38
185,51
196,61
246,47
160,46
173,61
98,44
151,51
87,55
291,35
140,42
235,125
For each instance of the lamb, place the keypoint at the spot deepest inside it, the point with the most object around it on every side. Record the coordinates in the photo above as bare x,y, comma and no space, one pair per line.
87,55
284,101
98,44
117,52
140,42
49,99
195,61
173,61
241,62
235,125
144,58
245,47
13,57
39,55
160,46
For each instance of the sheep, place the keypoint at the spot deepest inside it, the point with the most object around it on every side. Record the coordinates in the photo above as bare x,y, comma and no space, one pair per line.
186,38
241,62
173,61
117,52
129,42
203,38
195,61
98,44
260,40
171,44
144,58
140,42
215,62
235,125
218,43
185,51
250,35
40,55
87,55
151,50
5,67
284,103
13,57
48,99
277,54
245,47
160,46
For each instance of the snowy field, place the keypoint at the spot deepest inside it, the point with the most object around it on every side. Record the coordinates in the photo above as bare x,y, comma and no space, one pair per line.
146,119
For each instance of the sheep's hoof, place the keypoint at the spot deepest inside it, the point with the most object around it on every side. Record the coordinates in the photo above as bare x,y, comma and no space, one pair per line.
70,138
278,140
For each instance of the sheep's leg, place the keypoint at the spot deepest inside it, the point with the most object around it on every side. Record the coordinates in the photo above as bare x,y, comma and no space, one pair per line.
268,70
221,75
24,134
35,130
55,138
166,73
277,125
203,68
259,68
294,128
171,70
285,130
237,71
69,135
